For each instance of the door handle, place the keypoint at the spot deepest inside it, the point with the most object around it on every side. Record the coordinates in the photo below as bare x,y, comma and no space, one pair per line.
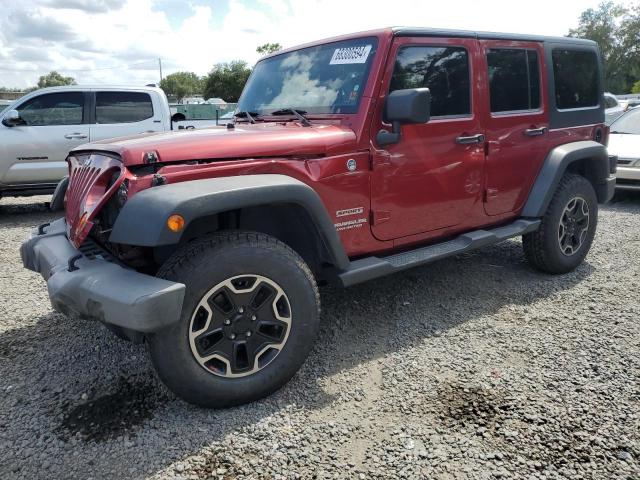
71,136
479,138
535,132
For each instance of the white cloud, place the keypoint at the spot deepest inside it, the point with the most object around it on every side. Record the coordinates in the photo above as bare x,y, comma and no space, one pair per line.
37,36
95,6
299,89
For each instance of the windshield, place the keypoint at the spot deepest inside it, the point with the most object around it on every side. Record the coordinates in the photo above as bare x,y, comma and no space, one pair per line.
627,123
328,78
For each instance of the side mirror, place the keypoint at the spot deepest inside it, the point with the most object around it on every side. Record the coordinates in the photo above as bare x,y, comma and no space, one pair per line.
412,105
12,119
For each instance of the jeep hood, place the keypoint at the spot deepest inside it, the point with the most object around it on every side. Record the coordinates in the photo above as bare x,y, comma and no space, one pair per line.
244,141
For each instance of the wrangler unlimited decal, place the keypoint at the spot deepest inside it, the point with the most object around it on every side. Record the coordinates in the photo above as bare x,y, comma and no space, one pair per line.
349,224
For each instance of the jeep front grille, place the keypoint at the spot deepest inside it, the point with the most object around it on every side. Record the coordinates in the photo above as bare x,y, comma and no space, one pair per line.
80,181
92,180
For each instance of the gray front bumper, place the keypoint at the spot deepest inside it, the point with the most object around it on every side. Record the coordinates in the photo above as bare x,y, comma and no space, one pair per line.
98,289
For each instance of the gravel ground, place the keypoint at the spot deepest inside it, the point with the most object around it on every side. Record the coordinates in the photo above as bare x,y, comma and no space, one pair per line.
474,367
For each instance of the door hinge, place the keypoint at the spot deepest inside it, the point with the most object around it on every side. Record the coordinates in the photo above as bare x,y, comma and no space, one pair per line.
379,159
380,216
490,194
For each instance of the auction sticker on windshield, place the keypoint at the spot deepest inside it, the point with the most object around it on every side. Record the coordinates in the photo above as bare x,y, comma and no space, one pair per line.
348,55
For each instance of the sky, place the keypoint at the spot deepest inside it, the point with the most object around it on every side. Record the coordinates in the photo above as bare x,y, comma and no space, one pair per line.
120,41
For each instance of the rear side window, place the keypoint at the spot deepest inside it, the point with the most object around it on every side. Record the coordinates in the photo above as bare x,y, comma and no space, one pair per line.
610,102
444,70
514,79
65,108
576,78
123,107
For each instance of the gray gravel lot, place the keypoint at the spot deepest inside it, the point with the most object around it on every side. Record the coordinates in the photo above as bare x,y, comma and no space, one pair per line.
474,367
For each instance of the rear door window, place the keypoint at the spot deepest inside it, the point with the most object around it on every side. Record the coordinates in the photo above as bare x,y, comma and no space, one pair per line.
64,108
514,79
575,78
123,107
444,70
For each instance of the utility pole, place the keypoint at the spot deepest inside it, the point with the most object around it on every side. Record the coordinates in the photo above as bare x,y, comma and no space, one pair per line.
160,67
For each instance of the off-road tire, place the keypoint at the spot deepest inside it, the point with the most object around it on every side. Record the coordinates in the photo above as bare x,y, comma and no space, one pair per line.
202,265
543,248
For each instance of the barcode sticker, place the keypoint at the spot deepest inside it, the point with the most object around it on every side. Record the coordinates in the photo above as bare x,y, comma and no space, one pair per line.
344,56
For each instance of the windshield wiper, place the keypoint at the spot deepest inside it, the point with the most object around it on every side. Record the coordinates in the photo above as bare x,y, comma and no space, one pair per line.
298,113
251,116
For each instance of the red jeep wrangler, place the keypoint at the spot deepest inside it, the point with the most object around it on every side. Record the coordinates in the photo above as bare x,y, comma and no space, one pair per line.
349,159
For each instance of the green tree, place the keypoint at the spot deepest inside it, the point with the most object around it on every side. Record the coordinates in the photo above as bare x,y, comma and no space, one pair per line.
226,80
616,29
54,79
268,48
636,87
182,84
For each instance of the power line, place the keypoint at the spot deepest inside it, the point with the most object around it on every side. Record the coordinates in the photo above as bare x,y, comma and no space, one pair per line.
9,69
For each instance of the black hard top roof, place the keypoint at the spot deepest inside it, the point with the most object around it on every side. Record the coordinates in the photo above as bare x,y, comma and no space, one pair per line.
435,32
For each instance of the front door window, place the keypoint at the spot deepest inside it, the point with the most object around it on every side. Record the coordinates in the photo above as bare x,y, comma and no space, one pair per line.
64,108
443,70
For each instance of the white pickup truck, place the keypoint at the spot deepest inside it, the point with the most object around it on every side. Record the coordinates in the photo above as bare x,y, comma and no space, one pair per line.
38,130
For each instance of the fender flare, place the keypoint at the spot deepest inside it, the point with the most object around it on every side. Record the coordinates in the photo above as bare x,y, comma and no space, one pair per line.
142,220
555,166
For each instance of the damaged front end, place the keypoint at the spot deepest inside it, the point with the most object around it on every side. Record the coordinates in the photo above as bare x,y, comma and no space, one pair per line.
93,179
83,277
98,188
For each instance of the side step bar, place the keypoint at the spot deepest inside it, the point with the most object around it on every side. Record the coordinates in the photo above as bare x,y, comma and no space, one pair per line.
373,267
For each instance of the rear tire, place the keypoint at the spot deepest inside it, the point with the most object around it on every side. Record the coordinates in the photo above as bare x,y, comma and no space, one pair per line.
567,229
249,319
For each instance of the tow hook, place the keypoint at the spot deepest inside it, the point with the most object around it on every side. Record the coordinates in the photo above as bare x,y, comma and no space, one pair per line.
71,264
42,227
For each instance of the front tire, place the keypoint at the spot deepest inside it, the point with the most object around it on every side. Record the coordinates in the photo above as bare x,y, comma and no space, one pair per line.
249,319
567,229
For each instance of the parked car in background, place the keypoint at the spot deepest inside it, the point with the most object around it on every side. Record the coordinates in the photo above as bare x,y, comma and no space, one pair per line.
400,147
38,130
624,141
613,107
631,103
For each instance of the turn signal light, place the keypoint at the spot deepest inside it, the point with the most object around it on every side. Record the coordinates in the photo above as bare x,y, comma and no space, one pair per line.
82,222
175,223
